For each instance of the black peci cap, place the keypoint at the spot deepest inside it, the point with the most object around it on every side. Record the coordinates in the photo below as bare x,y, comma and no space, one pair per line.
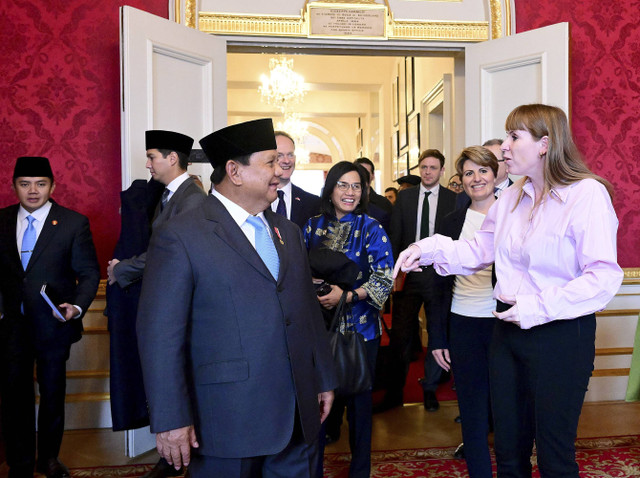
239,140
32,166
411,179
161,139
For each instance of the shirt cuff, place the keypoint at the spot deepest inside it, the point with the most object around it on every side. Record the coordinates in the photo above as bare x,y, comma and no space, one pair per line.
528,311
80,314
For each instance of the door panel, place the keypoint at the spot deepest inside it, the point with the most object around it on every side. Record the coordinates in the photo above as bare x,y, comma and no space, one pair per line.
173,78
530,67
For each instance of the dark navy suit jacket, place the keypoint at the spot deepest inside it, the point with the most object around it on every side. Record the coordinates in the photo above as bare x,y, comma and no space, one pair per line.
65,258
303,206
226,347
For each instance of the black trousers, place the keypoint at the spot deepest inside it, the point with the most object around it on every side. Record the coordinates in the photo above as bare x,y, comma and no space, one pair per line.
360,418
18,395
469,341
418,291
538,381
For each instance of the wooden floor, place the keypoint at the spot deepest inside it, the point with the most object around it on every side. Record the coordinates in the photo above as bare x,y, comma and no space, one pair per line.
405,427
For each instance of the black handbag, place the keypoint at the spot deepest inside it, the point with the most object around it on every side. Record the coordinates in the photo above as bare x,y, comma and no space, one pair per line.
349,356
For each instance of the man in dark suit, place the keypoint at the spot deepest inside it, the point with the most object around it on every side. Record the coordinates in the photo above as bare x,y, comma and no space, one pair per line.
417,213
167,160
292,202
234,352
379,206
41,243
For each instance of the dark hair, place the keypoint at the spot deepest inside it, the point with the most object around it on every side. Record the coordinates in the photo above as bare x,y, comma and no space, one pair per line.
367,161
432,153
286,135
183,159
563,163
391,188
333,176
492,142
220,171
479,155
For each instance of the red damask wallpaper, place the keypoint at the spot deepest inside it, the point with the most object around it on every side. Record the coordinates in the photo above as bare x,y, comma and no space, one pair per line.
605,96
59,89
59,81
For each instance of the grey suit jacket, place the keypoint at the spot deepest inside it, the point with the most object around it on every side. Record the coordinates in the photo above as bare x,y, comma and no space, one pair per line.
188,196
223,345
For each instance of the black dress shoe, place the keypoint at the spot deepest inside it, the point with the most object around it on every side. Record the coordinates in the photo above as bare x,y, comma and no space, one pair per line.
459,453
162,470
430,401
388,403
21,471
458,419
53,468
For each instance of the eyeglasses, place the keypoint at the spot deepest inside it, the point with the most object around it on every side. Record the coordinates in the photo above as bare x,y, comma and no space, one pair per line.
342,186
455,185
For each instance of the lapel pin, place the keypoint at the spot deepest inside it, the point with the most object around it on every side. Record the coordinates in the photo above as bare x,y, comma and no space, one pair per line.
54,222
279,236
297,198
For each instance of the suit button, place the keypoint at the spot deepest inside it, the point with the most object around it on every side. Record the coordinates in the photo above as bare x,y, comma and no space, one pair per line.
280,288
287,322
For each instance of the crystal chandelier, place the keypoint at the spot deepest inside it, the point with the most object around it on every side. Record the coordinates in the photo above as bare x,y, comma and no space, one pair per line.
283,87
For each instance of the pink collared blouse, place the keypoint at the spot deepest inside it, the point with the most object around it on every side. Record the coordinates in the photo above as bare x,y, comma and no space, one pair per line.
558,261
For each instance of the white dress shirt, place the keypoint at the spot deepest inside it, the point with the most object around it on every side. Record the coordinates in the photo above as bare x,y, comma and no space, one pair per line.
240,216
433,206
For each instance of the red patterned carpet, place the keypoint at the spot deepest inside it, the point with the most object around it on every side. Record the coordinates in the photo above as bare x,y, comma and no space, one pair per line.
615,457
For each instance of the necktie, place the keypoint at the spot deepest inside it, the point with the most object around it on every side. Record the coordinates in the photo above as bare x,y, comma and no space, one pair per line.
424,219
282,206
165,198
265,246
28,242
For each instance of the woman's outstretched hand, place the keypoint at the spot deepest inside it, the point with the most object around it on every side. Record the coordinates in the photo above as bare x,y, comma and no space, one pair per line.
408,260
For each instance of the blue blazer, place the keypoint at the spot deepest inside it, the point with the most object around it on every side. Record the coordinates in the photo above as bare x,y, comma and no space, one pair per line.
226,347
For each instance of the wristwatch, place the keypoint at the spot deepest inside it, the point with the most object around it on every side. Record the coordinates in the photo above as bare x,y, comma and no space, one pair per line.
354,297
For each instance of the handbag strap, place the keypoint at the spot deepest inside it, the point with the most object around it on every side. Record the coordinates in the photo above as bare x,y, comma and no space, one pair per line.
384,324
339,309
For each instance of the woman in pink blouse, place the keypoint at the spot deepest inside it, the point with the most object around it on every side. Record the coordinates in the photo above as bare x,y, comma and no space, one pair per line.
552,236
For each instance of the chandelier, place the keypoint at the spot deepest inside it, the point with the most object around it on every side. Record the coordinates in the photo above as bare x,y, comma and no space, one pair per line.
283,87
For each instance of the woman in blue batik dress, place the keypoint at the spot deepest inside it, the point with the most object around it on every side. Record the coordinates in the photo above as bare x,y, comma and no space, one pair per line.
343,226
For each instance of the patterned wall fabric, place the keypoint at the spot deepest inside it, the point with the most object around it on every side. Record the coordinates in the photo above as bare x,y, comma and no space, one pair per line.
59,97
605,96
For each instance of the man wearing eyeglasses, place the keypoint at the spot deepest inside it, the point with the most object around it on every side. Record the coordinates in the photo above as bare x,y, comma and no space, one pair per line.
418,213
293,202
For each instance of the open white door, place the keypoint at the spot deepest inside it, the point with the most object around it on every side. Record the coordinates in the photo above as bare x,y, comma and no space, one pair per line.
173,78
530,67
